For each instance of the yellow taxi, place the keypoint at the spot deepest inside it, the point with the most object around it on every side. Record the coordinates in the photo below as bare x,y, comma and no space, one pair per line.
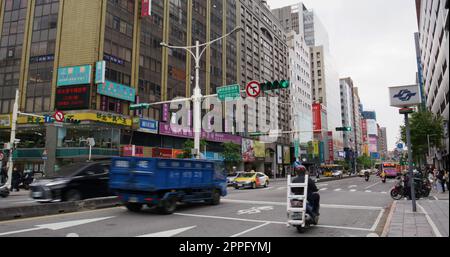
251,180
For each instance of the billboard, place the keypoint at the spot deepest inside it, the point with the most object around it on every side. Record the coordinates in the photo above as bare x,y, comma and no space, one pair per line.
287,155
76,75
372,127
72,97
260,149
5,121
373,144
248,150
317,116
118,91
405,96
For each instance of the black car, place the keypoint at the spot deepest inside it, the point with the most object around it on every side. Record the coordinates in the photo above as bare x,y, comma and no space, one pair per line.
74,182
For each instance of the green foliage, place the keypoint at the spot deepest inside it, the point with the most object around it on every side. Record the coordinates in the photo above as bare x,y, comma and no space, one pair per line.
344,164
422,124
188,146
231,154
365,162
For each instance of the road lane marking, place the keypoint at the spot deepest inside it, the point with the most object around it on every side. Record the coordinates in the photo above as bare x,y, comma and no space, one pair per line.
169,233
323,189
252,229
264,221
384,192
282,188
368,191
72,235
331,206
373,185
430,221
377,221
353,190
57,226
59,215
338,190
352,186
255,210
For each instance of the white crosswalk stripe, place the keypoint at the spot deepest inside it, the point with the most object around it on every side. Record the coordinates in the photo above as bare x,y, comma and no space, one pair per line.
338,189
323,189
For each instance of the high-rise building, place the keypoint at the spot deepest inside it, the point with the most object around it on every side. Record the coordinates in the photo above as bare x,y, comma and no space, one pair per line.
382,143
325,78
52,51
357,111
263,57
347,111
433,20
300,88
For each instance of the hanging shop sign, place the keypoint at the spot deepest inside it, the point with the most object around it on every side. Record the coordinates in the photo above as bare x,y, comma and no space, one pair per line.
287,155
100,72
148,126
172,130
76,75
146,8
5,121
72,98
118,91
113,59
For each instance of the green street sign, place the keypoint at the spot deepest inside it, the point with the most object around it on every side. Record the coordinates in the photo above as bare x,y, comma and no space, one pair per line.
135,107
227,93
297,148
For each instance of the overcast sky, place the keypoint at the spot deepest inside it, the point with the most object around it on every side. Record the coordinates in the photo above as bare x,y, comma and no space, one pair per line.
372,42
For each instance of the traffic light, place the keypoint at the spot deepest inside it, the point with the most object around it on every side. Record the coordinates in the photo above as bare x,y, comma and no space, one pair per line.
344,129
283,84
135,107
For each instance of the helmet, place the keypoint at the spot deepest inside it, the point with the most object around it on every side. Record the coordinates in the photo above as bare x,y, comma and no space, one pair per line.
300,168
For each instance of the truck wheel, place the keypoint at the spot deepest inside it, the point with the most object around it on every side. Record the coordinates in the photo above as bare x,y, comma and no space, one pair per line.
168,206
134,207
215,198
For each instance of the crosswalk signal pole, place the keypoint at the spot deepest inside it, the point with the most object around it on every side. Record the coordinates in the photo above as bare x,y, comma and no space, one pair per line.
12,140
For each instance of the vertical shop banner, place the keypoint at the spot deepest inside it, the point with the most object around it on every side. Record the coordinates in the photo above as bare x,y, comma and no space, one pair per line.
322,152
297,149
146,9
287,155
316,148
317,117
165,113
100,72
331,146
279,154
260,149
364,130
248,151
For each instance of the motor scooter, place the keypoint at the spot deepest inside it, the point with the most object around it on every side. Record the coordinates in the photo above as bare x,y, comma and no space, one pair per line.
367,176
299,211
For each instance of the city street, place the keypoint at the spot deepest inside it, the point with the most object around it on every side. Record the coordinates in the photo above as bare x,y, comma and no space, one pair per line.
349,208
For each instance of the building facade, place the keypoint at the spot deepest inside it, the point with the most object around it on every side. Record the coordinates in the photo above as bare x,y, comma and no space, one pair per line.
357,110
347,110
433,25
92,59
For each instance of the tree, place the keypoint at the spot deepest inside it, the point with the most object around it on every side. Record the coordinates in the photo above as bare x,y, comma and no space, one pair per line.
424,124
188,146
365,162
232,155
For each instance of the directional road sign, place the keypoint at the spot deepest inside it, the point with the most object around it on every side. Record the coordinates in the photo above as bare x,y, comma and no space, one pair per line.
230,92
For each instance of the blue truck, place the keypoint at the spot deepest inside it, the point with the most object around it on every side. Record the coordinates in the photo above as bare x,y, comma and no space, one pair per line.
162,183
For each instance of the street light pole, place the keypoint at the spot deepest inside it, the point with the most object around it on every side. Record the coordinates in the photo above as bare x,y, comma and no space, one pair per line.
12,140
411,172
197,94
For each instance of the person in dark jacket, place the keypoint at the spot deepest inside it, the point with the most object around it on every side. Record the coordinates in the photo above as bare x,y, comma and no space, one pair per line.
15,180
312,196
3,175
441,179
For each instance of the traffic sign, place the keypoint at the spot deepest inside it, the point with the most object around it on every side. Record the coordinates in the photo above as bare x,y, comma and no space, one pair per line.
400,146
253,89
230,92
59,116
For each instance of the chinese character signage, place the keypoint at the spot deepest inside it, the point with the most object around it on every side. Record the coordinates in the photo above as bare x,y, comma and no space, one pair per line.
177,131
118,91
100,71
72,98
287,155
77,75
331,146
149,126
317,117
146,8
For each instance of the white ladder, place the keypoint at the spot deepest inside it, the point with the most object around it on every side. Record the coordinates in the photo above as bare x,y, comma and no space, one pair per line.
291,196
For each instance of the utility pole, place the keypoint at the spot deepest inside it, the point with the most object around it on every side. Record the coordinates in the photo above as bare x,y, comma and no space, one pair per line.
406,112
197,96
12,140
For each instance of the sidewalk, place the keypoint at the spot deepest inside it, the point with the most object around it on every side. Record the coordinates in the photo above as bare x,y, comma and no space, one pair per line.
430,220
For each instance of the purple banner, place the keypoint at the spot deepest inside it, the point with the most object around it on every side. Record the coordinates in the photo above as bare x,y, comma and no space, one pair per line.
177,131
165,113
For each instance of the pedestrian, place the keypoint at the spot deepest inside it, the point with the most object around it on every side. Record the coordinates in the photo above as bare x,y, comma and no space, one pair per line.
3,175
441,179
446,179
15,181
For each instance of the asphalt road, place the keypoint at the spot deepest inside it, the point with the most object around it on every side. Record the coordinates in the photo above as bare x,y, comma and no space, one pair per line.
349,208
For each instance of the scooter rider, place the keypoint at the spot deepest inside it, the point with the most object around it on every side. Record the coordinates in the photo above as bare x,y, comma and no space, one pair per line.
312,196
